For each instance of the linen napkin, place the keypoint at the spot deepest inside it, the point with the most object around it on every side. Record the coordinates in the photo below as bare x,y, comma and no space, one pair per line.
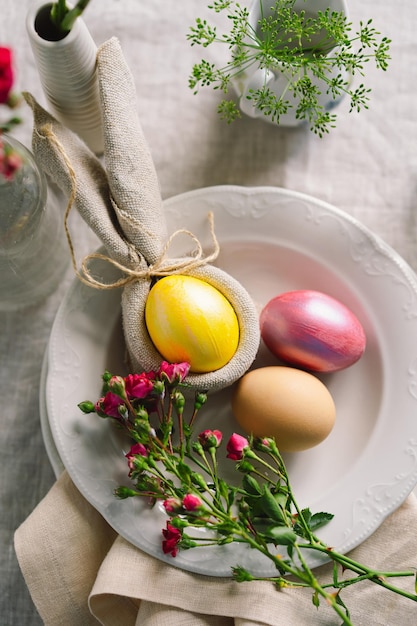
80,572
122,204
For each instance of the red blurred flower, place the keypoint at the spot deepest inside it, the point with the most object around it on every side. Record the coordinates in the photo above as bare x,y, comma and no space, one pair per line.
172,538
10,160
6,74
236,446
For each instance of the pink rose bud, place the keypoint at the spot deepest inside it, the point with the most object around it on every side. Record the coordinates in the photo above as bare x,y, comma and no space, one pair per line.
191,502
138,449
236,446
139,385
173,373
110,406
172,505
210,439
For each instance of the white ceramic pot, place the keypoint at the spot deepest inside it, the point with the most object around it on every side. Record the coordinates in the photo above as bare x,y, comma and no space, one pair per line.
254,78
67,70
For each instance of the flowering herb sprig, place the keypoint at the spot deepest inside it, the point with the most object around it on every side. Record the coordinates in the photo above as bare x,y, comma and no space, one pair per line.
303,48
261,511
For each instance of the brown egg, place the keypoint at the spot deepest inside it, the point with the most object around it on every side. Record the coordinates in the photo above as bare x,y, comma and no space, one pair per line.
288,404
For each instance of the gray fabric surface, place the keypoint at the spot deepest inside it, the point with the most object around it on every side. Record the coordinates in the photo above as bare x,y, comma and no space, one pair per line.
367,167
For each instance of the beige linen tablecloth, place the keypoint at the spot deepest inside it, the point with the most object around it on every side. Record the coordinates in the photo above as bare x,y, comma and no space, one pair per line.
366,167
80,572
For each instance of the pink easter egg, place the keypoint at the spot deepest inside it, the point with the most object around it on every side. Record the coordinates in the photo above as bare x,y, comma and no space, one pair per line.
312,330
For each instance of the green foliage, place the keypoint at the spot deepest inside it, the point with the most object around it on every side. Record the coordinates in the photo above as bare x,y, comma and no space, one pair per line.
259,511
324,49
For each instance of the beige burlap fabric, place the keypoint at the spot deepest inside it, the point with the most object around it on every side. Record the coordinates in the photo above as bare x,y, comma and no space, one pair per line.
122,204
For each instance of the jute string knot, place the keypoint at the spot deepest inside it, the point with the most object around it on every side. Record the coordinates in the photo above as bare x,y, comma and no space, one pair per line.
163,265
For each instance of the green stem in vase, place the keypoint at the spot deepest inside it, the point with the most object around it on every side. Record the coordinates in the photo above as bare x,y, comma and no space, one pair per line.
64,17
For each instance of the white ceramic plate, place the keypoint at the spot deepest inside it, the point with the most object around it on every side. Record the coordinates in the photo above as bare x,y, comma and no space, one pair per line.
272,240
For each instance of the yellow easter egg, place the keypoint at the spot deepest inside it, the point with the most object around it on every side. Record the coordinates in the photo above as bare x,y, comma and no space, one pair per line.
190,320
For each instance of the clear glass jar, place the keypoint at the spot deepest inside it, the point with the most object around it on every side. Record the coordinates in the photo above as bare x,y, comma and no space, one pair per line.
33,250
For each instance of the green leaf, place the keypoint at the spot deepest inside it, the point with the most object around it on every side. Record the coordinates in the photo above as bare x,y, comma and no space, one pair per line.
316,599
184,472
282,499
281,535
262,525
198,480
270,506
319,519
340,602
251,485
306,513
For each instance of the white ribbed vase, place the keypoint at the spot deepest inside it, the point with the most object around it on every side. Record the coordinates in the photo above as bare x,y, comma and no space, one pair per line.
67,70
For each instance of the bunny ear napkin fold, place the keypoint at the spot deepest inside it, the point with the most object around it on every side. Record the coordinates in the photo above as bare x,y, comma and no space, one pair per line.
122,204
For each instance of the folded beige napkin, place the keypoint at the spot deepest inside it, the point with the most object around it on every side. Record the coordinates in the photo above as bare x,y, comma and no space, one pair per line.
80,572
122,204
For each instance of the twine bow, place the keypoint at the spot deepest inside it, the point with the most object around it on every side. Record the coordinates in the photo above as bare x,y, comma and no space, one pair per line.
162,267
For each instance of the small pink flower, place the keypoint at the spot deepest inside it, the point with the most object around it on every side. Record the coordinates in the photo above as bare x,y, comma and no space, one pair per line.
109,405
265,444
172,505
236,446
172,538
116,385
138,449
139,385
173,373
210,439
191,502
